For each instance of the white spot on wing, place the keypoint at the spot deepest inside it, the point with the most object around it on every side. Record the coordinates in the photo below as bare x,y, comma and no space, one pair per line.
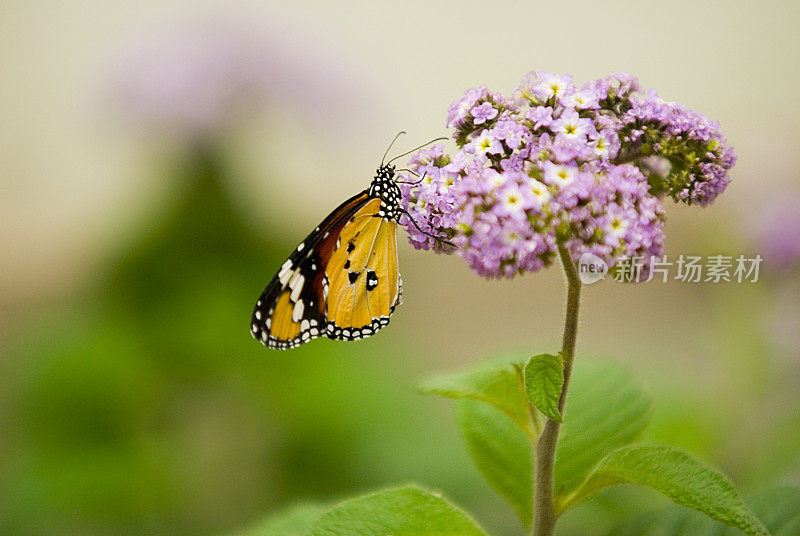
286,272
296,284
297,312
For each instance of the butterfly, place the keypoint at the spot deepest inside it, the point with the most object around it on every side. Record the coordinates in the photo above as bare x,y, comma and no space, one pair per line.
342,281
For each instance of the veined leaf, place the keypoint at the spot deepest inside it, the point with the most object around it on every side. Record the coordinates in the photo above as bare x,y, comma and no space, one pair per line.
678,476
605,410
407,511
496,383
777,508
293,521
544,378
672,521
502,453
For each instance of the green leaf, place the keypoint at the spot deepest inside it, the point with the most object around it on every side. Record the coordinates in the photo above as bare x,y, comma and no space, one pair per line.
792,528
673,521
679,477
544,378
605,410
501,451
293,521
496,383
778,509
407,511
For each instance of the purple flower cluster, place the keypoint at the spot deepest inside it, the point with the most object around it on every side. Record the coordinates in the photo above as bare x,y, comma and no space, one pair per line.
584,167
690,141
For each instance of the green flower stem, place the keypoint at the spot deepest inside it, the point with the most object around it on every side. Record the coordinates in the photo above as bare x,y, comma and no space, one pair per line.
544,516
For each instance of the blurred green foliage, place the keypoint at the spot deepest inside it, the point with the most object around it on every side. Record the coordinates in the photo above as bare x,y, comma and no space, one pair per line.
143,406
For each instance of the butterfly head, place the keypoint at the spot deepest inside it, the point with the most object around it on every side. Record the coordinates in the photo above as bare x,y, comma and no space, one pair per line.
384,188
385,171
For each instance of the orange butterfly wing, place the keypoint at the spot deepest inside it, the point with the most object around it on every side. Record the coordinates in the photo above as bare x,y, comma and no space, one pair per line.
342,281
365,284
291,309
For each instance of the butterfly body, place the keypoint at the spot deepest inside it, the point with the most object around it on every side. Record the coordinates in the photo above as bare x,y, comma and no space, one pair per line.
342,281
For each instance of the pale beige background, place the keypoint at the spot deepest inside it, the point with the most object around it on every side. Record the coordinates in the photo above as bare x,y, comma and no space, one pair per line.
74,174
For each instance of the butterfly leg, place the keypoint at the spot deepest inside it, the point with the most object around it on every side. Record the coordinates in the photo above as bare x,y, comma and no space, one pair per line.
437,238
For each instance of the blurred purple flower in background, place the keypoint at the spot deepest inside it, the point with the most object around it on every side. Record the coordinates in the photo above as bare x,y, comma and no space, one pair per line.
776,234
196,75
584,167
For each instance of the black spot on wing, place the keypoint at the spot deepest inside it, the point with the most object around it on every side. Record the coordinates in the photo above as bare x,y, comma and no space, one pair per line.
372,280
352,276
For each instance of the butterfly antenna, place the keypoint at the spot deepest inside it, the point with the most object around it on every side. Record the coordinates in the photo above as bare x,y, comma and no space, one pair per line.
414,149
437,238
390,145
